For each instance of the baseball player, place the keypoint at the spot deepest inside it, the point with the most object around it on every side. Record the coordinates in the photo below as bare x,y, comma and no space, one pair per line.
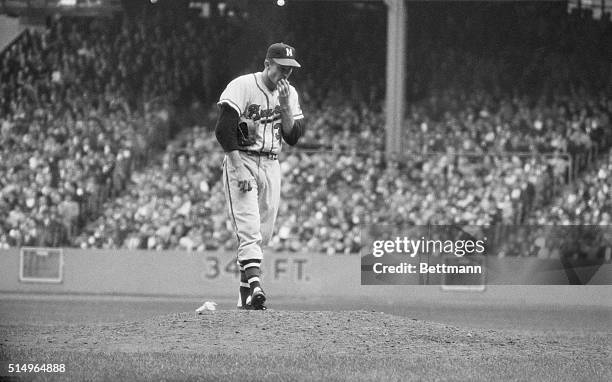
258,111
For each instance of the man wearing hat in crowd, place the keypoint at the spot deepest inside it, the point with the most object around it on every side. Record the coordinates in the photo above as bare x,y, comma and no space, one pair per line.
257,112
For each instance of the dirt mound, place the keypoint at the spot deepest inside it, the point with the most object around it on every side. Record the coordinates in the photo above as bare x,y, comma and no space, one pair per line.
303,346
277,332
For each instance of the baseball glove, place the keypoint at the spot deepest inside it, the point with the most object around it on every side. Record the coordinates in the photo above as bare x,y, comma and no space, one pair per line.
247,132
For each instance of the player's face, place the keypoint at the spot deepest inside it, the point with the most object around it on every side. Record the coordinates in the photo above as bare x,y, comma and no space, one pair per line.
277,72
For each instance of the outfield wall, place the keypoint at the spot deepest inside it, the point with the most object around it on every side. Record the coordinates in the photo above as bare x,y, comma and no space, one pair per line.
213,275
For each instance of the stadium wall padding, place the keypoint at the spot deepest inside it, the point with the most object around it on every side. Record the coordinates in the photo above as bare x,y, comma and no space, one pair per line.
213,275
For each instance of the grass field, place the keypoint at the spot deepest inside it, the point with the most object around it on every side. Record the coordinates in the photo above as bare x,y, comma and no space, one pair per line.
156,340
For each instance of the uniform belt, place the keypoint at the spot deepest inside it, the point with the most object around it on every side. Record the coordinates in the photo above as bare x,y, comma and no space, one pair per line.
262,154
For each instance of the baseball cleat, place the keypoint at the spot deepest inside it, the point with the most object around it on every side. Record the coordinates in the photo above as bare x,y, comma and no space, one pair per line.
258,298
247,305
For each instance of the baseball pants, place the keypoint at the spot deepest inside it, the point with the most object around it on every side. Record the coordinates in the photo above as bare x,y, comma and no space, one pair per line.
253,213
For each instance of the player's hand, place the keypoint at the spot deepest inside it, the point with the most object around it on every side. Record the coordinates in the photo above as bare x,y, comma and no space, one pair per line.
283,91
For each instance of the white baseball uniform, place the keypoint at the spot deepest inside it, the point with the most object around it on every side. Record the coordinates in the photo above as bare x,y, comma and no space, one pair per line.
253,213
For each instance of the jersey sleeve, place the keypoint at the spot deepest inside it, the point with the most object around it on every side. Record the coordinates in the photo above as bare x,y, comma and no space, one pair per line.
295,104
235,95
225,130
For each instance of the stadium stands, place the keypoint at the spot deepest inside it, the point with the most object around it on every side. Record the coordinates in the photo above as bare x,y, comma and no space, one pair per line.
494,135
81,106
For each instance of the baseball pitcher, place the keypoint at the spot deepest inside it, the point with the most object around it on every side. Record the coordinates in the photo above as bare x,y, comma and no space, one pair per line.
257,112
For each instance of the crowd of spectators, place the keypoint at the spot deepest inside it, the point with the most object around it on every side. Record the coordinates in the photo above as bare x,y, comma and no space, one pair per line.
62,141
83,103
179,203
176,202
490,134
588,201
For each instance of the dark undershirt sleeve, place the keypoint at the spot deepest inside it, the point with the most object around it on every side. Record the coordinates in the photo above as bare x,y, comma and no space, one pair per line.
225,130
297,131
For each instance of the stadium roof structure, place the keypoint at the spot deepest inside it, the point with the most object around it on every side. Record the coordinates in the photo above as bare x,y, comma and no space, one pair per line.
34,8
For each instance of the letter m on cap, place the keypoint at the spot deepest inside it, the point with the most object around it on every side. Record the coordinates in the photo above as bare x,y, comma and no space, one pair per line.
288,52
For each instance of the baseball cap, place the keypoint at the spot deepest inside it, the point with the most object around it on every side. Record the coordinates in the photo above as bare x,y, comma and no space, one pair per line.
283,54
